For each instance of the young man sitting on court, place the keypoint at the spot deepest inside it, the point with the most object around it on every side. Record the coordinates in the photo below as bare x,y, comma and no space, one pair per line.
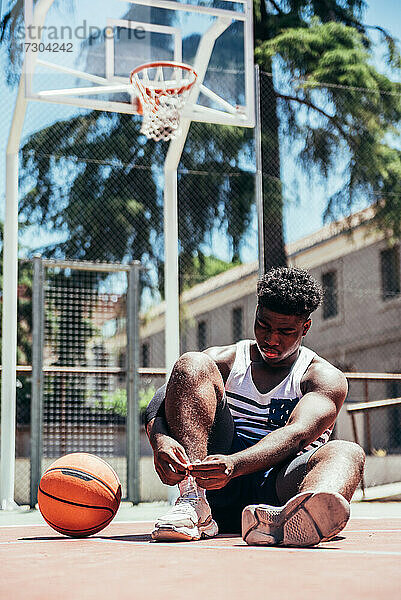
243,430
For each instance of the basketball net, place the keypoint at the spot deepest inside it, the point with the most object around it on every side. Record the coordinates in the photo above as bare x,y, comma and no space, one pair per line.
162,90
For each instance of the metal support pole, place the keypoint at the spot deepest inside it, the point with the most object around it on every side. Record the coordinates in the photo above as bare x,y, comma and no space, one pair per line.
9,324
37,378
172,329
259,174
10,286
171,289
133,431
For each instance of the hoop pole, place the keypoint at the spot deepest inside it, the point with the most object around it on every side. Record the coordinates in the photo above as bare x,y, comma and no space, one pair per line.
172,329
10,288
259,174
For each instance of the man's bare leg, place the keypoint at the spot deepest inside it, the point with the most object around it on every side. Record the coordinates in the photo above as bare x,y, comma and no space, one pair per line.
194,389
335,467
321,508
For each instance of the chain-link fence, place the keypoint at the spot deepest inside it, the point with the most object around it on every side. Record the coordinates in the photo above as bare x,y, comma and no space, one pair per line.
92,189
322,153
80,410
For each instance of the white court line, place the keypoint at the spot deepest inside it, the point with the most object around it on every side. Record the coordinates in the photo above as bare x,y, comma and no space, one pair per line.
45,525
332,552
329,551
371,530
355,518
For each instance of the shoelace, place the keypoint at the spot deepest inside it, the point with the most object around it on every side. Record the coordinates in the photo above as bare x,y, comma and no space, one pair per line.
187,501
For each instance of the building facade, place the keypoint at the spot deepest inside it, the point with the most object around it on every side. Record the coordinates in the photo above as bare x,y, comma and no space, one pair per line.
358,326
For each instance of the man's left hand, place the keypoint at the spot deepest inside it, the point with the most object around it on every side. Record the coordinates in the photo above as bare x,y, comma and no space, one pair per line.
214,472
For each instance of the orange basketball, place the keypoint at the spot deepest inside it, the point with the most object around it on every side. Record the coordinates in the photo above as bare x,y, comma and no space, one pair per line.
79,494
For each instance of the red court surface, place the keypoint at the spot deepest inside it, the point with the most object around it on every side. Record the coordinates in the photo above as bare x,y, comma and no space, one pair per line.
121,562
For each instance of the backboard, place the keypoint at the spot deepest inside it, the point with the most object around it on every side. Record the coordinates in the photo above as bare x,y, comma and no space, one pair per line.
83,56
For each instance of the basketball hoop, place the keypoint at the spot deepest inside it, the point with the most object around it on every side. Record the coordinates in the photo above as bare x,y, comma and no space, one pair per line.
162,89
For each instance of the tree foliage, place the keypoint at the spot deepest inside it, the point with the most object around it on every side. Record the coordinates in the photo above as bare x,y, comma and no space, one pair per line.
333,102
92,183
204,267
91,175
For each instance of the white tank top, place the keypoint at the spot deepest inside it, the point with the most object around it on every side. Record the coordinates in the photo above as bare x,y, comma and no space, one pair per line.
256,415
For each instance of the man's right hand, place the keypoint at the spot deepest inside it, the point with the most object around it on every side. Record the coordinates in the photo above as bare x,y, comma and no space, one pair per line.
170,459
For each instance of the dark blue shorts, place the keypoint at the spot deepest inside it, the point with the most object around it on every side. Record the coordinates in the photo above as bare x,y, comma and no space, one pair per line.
273,486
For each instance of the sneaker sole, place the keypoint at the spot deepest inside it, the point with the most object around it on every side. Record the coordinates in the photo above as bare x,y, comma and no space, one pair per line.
306,520
169,533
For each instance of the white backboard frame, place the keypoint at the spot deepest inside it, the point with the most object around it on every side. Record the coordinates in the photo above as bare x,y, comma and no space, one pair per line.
175,32
225,114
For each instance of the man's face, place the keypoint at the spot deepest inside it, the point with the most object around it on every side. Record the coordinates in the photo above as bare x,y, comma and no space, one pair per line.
278,336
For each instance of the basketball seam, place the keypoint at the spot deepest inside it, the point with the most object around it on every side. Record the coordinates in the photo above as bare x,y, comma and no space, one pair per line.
102,525
84,473
76,503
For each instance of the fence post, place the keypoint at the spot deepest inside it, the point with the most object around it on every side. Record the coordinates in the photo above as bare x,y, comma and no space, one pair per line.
133,431
37,378
367,419
259,174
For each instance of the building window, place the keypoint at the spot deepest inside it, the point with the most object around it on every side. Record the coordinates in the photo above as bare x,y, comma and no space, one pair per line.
394,416
330,303
145,353
202,337
390,267
237,324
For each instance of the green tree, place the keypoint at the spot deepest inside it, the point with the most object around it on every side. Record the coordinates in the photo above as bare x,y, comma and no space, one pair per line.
322,45
203,267
108,202
315,47
96,181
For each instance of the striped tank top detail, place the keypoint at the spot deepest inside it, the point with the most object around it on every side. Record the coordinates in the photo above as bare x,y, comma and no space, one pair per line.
256,415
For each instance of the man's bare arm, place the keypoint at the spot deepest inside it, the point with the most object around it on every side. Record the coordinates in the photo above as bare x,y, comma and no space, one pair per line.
326,389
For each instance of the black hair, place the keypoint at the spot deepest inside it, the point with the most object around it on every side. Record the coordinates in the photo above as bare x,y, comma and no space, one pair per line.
289,291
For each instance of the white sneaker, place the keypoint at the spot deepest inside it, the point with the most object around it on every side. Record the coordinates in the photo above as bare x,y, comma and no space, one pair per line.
306,520
189,519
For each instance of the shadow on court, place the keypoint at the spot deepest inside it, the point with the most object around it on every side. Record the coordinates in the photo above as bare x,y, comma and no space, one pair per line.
147,538
123,562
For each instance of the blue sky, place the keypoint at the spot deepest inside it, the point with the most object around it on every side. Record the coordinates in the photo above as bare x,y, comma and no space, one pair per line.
300,218
306,217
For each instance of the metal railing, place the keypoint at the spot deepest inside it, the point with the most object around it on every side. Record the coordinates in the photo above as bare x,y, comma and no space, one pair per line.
369,404
353,408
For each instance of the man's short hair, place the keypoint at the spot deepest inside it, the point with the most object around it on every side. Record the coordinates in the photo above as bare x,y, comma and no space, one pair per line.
289,291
